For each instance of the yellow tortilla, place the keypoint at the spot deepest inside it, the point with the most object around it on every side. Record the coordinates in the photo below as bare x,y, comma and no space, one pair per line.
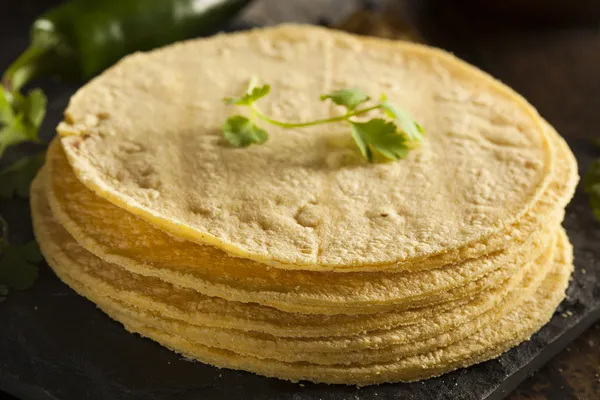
365,348
489,342
145,135
124,239
71,260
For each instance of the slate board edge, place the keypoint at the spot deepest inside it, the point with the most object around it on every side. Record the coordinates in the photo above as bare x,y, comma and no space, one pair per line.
22,391
564,339
13,386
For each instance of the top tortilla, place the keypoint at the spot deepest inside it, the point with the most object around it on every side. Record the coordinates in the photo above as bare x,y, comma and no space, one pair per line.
146,136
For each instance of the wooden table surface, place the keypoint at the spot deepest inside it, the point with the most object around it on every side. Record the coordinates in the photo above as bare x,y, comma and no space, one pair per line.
556,68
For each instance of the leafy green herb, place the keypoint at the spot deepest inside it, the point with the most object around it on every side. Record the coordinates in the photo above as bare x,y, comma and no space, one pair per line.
349,98
592,177
241,132
20,117
16,178
377,135
18,264
591,184
412,130
253,94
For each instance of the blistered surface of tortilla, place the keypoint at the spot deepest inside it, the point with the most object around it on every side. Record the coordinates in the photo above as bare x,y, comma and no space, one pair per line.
146,136
117,236
489,342
70,260
121,238
365,348
383,344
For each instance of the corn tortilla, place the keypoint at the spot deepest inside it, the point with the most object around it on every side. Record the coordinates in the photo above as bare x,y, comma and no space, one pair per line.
124,239
146,136
489,342
414,290
365,348
184,304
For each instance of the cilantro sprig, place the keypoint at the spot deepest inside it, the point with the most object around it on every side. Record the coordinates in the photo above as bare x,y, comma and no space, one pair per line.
20,116
16,178
18,263
391,137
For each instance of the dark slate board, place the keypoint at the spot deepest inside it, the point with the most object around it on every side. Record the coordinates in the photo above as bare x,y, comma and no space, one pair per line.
54,345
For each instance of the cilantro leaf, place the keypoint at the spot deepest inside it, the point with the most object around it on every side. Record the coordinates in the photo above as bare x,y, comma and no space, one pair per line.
594,194
349,98
18,265
252,95
381,136
16,178
412,130
35,109
239,131
358,135
21,117
593,176
6,111
591,184
13,133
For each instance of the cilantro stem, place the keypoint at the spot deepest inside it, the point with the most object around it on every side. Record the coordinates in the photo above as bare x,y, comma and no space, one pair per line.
29,65
375,135
283,124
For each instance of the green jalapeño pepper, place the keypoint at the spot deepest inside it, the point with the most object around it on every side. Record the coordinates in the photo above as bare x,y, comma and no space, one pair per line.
82,37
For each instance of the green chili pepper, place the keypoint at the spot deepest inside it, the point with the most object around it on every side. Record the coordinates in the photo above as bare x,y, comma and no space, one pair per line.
82,37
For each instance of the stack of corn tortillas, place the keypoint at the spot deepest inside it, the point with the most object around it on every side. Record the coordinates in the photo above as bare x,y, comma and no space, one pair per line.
297,259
